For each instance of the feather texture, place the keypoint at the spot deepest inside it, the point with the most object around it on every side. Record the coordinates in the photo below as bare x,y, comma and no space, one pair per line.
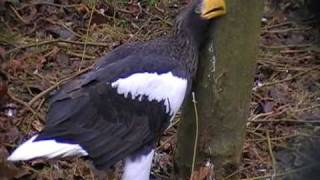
48,149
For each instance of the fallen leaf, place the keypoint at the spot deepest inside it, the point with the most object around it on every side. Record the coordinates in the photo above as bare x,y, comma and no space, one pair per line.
14,66
83,8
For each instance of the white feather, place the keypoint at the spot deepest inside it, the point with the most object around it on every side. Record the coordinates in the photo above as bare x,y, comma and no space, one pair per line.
45,149
139,168
167,87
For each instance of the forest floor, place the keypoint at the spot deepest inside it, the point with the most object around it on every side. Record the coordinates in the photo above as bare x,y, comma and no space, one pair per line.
45,43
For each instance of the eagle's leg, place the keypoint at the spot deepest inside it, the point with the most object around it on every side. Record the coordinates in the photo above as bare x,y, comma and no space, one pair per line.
138,167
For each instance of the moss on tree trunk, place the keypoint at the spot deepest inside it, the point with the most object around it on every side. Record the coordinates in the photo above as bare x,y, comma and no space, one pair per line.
223,90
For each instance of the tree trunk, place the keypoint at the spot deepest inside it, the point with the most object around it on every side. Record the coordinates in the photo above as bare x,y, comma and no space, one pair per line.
223,90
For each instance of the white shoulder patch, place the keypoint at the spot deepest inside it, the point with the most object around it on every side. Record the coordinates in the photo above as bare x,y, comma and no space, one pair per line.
45,149
167,87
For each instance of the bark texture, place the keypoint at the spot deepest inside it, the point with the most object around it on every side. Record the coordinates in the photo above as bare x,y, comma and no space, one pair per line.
223,90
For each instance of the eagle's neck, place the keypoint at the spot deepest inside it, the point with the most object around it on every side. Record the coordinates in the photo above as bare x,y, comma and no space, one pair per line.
190,35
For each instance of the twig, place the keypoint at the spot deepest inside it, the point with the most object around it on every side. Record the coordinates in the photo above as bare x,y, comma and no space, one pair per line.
254,119
272,157
286,120
292,51
197,132
278,111
283,80
278,25
165,142
234,173
87,35
140,28
286,46
18,15
124,10
276,138
30,46
256,133
25,104
307,108
69,29
157,17
41,77
74,54
173,124
45,92
56,5
293,171
87,43
40,104
52,42
285,30
160,176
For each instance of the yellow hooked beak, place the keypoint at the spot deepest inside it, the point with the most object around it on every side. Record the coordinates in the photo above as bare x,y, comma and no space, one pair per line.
213,8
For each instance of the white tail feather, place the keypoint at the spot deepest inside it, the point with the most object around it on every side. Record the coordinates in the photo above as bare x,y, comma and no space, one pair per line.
45,149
